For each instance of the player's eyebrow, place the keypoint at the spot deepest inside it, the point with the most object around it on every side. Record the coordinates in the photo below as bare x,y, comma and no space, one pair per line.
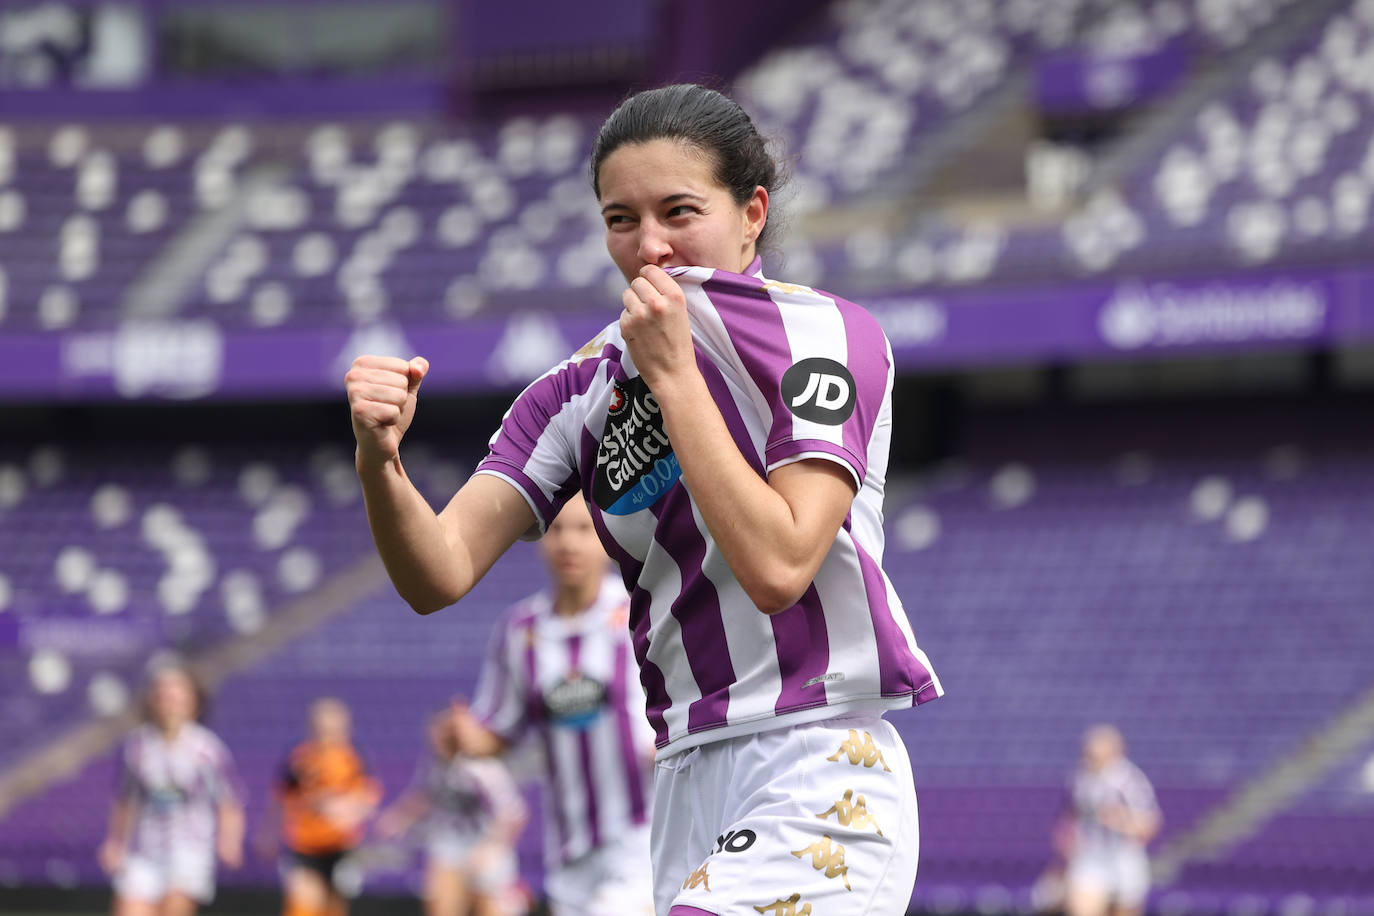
670,199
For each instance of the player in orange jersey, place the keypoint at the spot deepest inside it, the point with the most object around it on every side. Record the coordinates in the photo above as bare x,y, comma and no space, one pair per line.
327,796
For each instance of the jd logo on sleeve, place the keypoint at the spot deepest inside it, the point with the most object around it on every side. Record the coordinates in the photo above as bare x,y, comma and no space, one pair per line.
820,390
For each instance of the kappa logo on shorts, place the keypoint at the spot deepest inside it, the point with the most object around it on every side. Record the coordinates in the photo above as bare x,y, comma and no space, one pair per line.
635,464
788,907
851,812
698,878
736,840
820,390
827,856
860,751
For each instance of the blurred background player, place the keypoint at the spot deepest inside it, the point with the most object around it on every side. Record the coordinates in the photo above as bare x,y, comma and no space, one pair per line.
327,796
561,669
472,812
1111,816
178,806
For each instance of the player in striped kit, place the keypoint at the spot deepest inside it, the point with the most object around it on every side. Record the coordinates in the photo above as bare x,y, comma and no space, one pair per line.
179,807
472,812
731,433
1110,815
561,670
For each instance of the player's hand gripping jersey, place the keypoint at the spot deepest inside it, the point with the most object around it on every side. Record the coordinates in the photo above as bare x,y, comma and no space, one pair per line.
796,374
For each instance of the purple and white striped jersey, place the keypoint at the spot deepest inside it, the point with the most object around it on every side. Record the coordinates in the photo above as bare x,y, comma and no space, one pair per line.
569,681
796,374
176,787
1119,784
467,795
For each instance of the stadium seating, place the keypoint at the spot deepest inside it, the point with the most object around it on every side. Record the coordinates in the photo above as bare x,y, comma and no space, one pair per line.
106,555
348,222
1105,569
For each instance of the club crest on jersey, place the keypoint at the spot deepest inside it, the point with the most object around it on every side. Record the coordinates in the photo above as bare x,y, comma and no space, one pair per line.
820,390
635,464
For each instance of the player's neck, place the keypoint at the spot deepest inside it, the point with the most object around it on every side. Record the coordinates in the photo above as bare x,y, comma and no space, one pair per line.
572,599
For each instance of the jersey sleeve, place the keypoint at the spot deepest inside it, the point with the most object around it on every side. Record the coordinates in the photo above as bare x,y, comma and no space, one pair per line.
500,795
500,700
535,449
1138,793
817,368
128,787
222,775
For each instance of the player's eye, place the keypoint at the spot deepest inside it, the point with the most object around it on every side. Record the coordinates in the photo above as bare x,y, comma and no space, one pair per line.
614,220
681,210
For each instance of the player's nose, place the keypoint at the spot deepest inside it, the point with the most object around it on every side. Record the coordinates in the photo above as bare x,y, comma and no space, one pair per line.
654,246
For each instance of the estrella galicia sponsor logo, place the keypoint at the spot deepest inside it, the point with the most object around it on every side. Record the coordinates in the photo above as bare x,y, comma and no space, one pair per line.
635,464
736,840
820,390
575,702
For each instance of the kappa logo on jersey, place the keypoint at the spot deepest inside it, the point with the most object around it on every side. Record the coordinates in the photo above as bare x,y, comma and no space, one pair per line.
575,702
820,390
851,812
735,840
827,856
788,907
635,464
860,751
791,289
591,348
698,878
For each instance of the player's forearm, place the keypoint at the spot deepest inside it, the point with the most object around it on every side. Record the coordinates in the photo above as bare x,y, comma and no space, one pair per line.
410,539
121,818
231,824
1144,825
479,741
753,525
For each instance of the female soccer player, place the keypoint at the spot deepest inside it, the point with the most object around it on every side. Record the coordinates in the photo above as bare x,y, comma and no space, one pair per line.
327,796
472,813
178,807
561,671
1110,816
731,434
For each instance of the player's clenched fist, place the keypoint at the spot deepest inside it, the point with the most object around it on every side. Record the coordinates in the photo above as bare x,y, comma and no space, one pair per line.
381,401
655,326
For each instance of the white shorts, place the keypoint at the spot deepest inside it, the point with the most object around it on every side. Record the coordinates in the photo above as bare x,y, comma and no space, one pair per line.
149,878
820,815
486,873
1122,874
612,880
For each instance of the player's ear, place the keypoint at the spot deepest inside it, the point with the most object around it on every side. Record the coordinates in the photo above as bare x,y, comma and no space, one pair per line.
755,213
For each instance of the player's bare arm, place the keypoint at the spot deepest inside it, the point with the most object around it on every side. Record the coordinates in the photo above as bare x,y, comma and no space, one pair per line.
774,533
113,849
432,559
474,738
229,834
